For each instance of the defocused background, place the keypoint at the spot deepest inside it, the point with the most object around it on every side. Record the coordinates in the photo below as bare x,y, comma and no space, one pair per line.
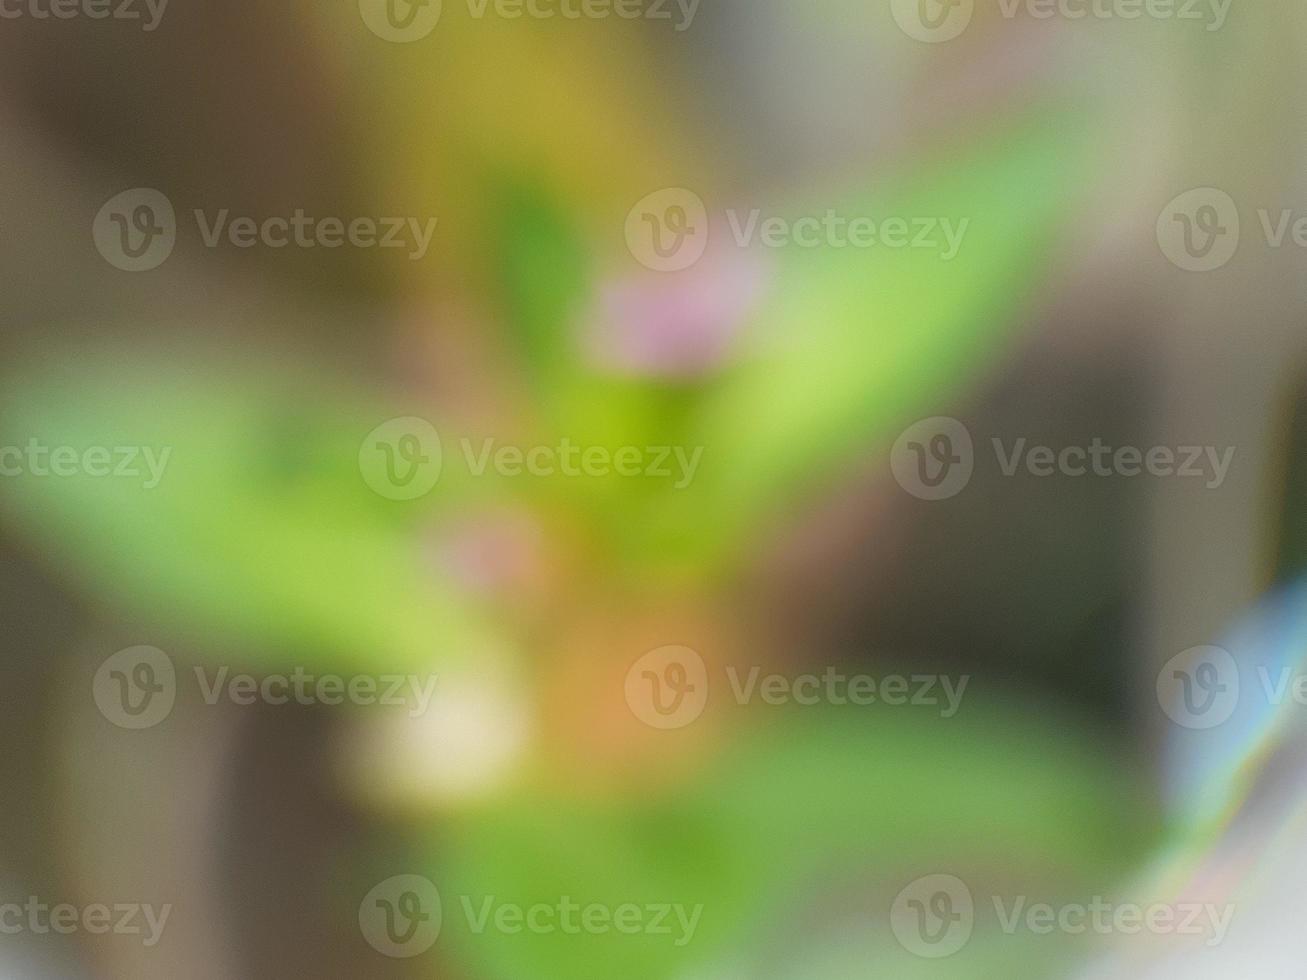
580,366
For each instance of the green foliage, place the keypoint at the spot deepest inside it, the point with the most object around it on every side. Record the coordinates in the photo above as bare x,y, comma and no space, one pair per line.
262,539
811,820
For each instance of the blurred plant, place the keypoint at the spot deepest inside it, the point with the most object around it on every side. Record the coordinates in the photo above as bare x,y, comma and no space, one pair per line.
264,539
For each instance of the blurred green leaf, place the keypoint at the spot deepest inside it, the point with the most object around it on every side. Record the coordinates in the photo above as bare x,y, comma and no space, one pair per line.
261,538
853,344
794,817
